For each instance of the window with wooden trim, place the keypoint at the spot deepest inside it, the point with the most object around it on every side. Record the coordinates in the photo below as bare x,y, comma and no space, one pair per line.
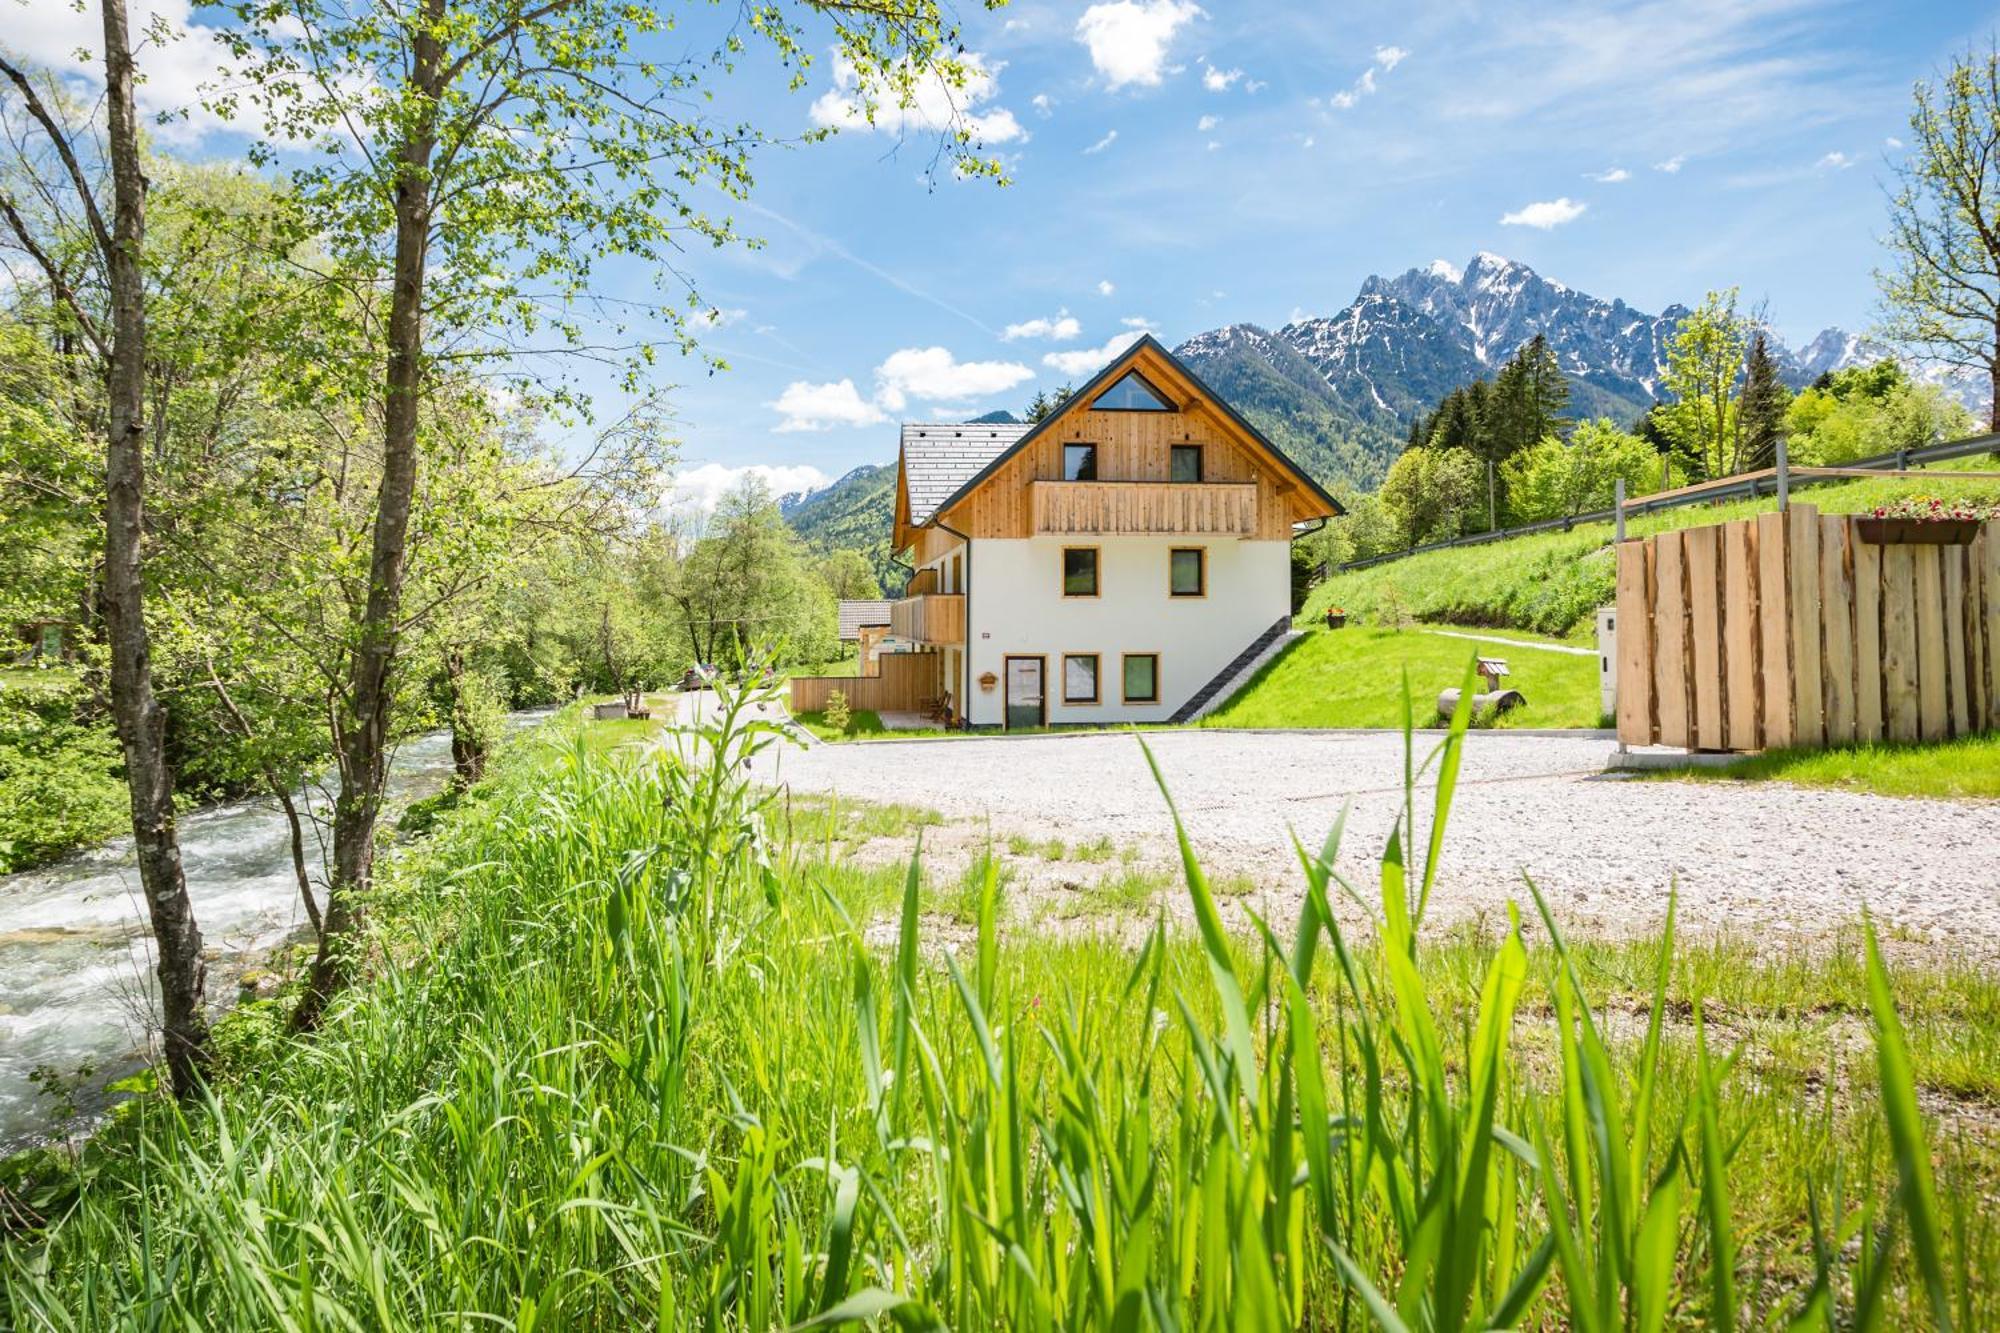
1079,678
1079,577
1079,462
1141,673
1187,571
1131,393
1184,463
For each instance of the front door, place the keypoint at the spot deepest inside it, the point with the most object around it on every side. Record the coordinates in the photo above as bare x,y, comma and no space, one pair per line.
1024,692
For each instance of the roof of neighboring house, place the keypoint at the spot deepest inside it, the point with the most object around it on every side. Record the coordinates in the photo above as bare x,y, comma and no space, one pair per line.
940,457
857,613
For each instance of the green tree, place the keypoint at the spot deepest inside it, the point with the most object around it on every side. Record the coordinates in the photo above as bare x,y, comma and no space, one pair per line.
475,160
1868,410
107,302
1762,413
1428,492
745,590
1705,359
849,576
1563,478
1941,288
1046,403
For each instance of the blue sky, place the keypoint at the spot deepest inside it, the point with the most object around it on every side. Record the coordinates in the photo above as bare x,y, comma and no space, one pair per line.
1192,166
1178,166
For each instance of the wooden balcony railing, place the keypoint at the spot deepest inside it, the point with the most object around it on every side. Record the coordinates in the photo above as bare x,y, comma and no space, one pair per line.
1215,509
937,617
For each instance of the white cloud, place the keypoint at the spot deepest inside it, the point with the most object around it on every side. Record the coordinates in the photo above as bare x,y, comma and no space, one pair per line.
1214,144
1672,165
1255,86
1043,104
1128,39
703,487
1111,137
715,317
1544,215
1061,327
1611,176
1207,123
935,375
1386,59
1140,322
1307,142
1089,359
1218,80
930,105
1834,161
53,35
808,406
1892,142
1104,287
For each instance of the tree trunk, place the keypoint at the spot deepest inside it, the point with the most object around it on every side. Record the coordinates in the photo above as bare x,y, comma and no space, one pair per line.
468,747
141,721
362,730
1993,379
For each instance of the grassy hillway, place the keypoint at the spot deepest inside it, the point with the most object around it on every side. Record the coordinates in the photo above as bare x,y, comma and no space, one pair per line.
643,1046
1552,583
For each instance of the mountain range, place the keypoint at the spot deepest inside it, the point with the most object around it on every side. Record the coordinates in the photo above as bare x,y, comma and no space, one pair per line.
1338,392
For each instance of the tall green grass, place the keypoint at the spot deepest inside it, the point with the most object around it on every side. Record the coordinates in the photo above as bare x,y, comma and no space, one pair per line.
643,1049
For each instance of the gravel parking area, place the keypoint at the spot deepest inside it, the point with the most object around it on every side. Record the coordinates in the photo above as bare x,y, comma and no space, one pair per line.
1780,862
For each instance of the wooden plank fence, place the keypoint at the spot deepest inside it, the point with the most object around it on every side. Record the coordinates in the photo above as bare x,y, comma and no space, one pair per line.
901,682
1788,629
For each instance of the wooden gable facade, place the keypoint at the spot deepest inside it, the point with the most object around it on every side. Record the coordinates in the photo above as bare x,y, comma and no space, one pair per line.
1247,489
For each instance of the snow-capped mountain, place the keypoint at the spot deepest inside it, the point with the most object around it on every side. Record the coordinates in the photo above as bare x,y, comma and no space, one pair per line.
1339,392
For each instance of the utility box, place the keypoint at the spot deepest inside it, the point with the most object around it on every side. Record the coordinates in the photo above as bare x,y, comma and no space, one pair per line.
1607,660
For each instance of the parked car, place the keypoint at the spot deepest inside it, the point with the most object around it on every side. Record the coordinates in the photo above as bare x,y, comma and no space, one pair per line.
700,676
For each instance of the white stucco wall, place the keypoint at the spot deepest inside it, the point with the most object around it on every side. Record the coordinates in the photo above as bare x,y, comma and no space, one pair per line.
1016,607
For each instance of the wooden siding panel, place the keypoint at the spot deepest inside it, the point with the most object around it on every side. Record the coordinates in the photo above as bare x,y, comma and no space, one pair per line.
1836,601
1217,509
1670,656
1702,552
1933,709
1868,725
1740,634
1775,619
902,683
1635,644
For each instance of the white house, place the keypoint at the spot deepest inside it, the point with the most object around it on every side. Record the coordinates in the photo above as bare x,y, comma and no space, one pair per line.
1115,562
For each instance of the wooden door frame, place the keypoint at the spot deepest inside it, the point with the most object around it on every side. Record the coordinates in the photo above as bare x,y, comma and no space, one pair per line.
1006,661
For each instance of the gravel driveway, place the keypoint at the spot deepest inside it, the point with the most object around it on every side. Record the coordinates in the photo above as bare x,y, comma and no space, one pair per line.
1778,861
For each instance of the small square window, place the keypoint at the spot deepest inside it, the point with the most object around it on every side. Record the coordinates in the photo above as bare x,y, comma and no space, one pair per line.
1186,463
1079,462
1080,678
1142,678
1079,571
1187,571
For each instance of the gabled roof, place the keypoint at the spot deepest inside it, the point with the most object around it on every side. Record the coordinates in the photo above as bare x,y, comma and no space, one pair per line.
939,458
1082,399
857,612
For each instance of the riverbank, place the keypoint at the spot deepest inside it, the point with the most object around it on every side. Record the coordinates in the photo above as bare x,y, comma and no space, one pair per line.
644,1045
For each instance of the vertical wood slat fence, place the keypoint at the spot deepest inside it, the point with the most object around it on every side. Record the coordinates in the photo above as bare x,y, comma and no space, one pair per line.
901,682
1788,629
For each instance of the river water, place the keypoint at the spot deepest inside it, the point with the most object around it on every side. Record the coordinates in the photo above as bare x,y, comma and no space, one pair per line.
76,967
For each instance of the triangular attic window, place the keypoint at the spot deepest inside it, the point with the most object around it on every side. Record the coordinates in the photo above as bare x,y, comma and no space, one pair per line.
1131,393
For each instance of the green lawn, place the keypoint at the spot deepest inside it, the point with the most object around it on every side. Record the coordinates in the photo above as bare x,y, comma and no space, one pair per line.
860,722
1552,583
1354,678
1963,768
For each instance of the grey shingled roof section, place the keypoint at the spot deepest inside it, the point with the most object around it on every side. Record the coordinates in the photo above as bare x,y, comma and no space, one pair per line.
862,611
938,458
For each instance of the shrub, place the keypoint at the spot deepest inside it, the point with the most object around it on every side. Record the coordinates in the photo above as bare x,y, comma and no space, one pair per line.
837,716
60,783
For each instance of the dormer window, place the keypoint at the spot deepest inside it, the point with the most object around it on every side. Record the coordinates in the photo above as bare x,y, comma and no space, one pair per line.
1132,393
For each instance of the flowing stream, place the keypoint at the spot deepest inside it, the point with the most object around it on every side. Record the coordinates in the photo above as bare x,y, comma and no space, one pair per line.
76,967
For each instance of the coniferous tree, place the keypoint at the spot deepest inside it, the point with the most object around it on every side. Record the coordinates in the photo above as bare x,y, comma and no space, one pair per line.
1762,415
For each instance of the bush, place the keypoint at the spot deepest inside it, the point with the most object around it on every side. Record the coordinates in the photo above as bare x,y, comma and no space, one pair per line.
60,783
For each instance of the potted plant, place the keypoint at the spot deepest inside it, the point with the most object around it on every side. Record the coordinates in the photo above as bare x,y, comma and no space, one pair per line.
1336,617
1924,520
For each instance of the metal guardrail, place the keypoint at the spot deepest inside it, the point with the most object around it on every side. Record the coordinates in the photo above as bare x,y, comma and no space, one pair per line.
1749,486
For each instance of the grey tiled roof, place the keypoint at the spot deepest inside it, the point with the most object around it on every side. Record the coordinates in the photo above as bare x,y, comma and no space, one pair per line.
939,458
854,614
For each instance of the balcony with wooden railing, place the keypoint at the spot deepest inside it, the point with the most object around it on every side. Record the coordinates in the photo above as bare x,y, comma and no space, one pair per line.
936,617
1103,508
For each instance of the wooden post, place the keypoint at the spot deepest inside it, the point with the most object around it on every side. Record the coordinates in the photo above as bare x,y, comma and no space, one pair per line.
1670,656
1618,503
1957,695
1705,633
1635,645
1837,622
1775,620
1802,565
1899,642
1784,478
1933,709
1867,639
1740,635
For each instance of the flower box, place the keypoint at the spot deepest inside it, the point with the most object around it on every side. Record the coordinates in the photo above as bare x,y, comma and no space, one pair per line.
1916,531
